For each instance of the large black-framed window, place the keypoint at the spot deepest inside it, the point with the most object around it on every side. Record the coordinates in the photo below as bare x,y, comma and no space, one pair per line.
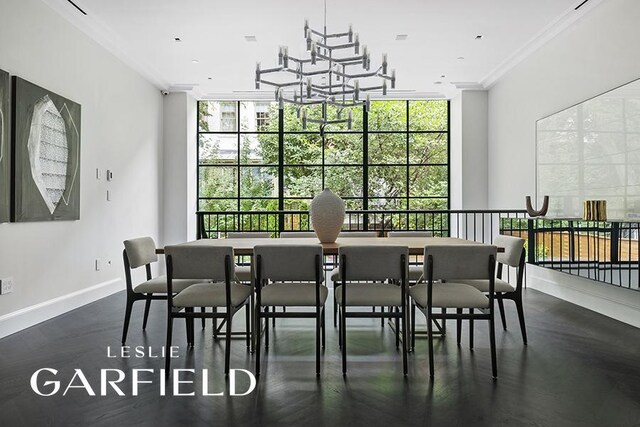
395,157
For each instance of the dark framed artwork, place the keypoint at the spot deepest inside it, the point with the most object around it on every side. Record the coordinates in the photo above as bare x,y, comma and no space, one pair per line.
5,146
46,154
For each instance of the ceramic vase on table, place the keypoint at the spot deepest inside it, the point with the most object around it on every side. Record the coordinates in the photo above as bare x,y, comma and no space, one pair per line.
327,215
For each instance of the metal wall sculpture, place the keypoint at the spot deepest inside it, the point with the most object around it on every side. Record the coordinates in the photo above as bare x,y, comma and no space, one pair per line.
5,155
46,143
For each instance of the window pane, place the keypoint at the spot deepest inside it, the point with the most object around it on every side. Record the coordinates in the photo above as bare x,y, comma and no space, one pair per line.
259,181
259,149
428,204
258,116
341,148
428,115
388,115
387,148
298,221
428,181
301,149
387,181
379,204
218,181
353,204
221,205
297,204
302,181
428,148
218,149
345,181
251,205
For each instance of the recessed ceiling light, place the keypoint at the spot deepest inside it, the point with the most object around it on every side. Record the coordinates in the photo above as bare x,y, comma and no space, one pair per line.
177,39
460,58
250,39
209,78
402,36
437,83
479,37
442,76
195,61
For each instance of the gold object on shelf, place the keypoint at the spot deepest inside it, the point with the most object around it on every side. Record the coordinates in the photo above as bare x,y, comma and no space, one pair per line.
594,210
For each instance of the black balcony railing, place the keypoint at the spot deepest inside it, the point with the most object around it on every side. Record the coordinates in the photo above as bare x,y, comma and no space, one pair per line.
475,225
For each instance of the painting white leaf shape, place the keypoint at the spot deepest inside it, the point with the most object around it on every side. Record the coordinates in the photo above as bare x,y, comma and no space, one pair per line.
48,152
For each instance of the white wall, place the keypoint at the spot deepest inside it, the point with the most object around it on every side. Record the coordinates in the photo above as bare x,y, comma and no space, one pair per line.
180,169
597,53
469,150
53,262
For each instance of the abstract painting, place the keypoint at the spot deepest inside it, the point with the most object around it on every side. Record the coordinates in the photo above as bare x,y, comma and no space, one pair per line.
46,144
5,155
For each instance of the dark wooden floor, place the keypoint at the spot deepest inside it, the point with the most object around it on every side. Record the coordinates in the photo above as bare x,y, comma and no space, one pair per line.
580,369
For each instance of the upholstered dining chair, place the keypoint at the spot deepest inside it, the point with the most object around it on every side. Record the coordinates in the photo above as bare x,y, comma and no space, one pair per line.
289,276
415,270
514,256
369,276
141,252
243,272
334,275
213,266
300,234
460,262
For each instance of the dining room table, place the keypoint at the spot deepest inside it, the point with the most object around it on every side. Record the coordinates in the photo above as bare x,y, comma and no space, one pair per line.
244,246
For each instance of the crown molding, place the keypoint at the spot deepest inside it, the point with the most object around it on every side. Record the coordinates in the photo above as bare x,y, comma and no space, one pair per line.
545,35
106,38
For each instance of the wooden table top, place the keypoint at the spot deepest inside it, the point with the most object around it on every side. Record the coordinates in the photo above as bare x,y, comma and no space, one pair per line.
244,246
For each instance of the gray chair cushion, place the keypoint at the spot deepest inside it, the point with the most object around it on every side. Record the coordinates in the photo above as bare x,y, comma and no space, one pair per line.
200,261
158,285
512,249
460,261
483,285
243,273
297,234
450,295
141,251
370,294
292,294
211,295
248,235
365,263
289,263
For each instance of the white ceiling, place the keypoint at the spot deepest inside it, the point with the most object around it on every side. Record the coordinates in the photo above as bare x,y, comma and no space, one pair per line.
141,32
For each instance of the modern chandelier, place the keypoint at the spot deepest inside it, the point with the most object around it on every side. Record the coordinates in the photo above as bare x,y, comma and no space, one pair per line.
336,71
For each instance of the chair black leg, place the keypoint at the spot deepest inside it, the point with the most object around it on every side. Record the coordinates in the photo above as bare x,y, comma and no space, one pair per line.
266,329
444,321
189,324
167,357
273,320
430,334
471,328
324,341
227,344
404,342
459,326
340,330
147,306
502,316
492,338
343,327
127,319
318,320
397,333
382,319
413,326
523,328
247,321
258,337
202,319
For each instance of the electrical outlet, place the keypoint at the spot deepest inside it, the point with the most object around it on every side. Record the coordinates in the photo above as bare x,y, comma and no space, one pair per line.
108,196
6,285
98,264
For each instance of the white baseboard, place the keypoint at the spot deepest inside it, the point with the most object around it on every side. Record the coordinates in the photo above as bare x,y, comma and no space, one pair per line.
29,316
612,301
